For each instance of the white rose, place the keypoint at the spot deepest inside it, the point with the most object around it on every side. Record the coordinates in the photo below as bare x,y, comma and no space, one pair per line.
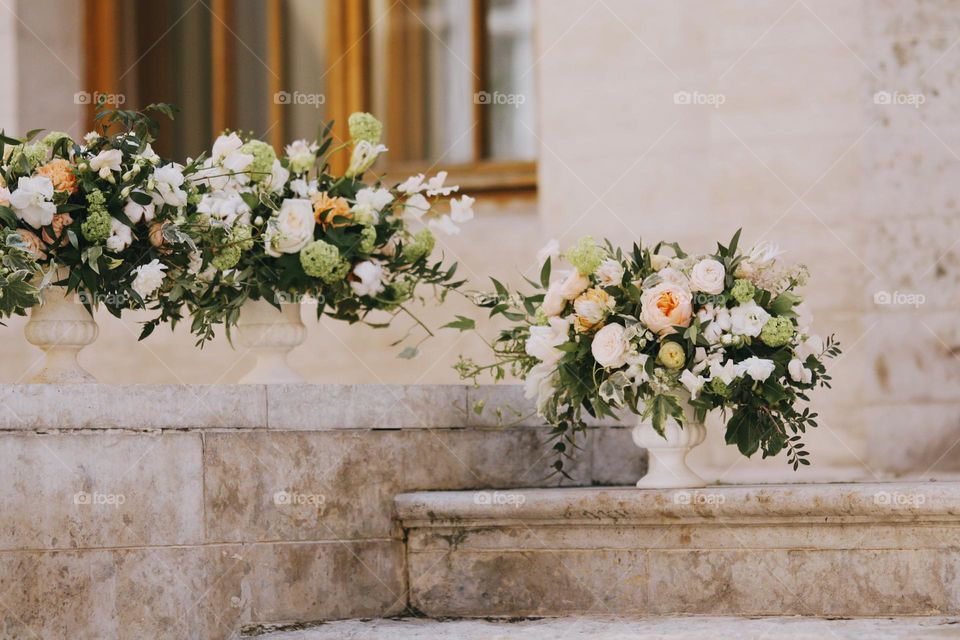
370,276
798,372
757,368
692,382
148,278
574,284
121,236
610,347
553,302
106,161
748,319
31,201
609,273
707,276
543,341
291,228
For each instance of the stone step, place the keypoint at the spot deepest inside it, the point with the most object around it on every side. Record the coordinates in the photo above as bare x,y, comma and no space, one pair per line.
597,628
854,550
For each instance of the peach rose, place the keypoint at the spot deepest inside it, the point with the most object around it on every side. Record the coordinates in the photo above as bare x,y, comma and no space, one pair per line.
60,222
665,306
326,209
156,237
574,284
32,243
60,172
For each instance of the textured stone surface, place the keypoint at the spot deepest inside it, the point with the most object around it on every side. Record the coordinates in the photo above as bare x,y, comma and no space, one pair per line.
828,550
653,628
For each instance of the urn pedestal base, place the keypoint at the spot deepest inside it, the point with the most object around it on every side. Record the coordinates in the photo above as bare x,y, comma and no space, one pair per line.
61,326
271,335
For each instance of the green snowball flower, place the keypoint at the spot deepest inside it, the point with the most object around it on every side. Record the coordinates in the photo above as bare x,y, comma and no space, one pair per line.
720,387
52,138
364,126
368,239
34,154
242,236
322,260
98,225
672,355
777,331
363,214
743,291
421,246
263,156
586,256
227,258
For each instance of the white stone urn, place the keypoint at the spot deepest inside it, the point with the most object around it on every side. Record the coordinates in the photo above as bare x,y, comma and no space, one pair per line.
270,334
667,465
61,326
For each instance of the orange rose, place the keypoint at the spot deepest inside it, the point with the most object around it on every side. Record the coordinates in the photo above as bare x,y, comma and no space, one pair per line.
60,222
325,209
61,175
33,244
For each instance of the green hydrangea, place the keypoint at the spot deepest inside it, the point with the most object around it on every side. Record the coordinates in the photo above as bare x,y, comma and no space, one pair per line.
227,258
743,291
364,126
322,260
720,387
263,157
35,154
368,240
363,214
52,138
242,236
421,246
777,331
586,256
97,226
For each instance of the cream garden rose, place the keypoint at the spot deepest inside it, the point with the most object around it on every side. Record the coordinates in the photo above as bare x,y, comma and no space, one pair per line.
665,306
553,302
573,285
291,228
609,273
610,346
708,276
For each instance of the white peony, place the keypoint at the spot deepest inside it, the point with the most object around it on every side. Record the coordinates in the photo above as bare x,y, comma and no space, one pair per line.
550,250
543,341
31,201
148,278
106,161
707,277
757,368
553,302
137,212
609,273
168,182
573,285
290,229
370,276
610,346
798,372
692,382
121,236
748,319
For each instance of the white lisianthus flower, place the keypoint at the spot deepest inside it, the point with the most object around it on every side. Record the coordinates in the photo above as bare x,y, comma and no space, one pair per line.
376,199
610,346
553,302
434,185
370,274
812,346
609,273
692,382
31,201
550,250
106,161
224,145
168,182
278,177
445,224
148,278
363,156
707,277
302,188
236,163
727,373
412,185
462,210
798,372
290,229
226,206
416,206
540,384
757,368
543,341
573,285
137,212
302,155
121,236
748,319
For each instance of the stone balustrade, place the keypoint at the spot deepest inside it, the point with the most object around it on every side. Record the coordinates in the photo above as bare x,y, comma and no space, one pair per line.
162,511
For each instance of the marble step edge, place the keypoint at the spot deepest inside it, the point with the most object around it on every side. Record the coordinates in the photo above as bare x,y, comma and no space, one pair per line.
908,502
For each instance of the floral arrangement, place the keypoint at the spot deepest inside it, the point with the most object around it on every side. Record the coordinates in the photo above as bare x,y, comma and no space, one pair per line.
652,332
103,215
284,229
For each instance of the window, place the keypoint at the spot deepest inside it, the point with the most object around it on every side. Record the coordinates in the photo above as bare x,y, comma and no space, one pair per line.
451,79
